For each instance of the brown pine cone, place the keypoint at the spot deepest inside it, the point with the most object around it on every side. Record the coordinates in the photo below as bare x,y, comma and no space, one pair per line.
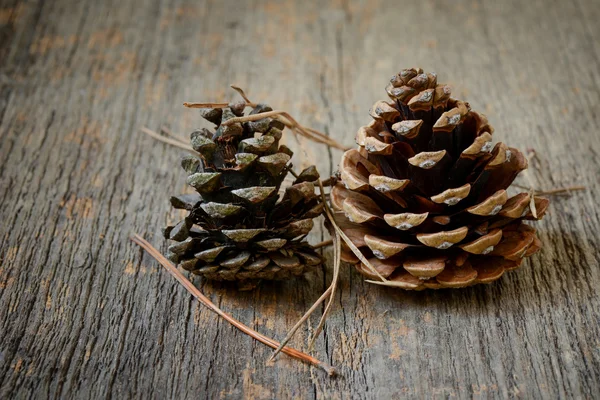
238,228
424,196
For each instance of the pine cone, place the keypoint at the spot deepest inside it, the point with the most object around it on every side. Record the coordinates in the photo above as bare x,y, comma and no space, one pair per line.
236,227
424,195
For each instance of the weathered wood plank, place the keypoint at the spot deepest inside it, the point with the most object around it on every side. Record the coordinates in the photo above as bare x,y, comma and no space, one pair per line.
86,314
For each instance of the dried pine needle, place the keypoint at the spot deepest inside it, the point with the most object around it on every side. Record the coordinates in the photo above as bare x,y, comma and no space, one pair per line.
205,105
338,234
189,286
555,191
346,239
291,123
561,190
324,243
531,185
298,324
337,250
171,141
243,95
296,128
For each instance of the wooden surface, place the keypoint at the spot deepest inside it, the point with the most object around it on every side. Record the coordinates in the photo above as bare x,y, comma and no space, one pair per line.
85,314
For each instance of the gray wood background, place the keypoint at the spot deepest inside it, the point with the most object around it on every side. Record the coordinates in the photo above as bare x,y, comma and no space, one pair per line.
85,314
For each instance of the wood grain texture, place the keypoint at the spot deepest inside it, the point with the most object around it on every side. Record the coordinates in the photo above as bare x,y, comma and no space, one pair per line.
85,314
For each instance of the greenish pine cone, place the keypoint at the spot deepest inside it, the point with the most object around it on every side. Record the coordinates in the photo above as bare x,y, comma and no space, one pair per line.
238,227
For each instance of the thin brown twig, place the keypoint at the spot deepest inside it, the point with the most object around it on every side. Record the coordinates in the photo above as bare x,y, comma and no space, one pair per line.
556,191
189,286
324,243
562,194
291,123
205,105
327,182
295,134
346,239
561,190
520,186
291,171
315,135
173,136
349,243
241,93
532,203
172,142
221,105
337,250
531,185
321,135
329,292
282,116
298,324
